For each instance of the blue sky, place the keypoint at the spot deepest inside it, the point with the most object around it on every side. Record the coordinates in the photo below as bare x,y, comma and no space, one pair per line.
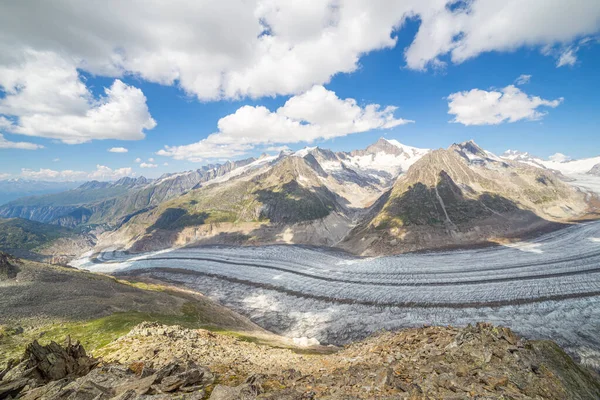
383,76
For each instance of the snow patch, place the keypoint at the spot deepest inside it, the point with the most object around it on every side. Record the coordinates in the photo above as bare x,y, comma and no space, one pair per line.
305,342
526,247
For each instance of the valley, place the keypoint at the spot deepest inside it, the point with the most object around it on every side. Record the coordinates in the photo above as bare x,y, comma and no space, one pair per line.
548,287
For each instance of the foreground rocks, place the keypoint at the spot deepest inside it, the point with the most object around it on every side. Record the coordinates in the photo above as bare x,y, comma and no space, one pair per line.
155,361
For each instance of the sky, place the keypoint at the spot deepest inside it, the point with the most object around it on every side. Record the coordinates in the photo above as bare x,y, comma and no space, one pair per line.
103,90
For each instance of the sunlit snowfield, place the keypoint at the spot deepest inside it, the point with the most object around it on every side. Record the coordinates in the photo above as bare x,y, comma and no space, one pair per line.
546,288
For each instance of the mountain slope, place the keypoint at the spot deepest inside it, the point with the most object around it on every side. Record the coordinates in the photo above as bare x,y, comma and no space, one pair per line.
463,195
278,202
38,241
95,203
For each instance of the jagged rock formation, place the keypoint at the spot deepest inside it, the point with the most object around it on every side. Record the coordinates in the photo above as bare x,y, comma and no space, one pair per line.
479,361
43,364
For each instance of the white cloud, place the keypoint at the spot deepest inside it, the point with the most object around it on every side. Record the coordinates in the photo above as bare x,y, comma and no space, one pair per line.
6,144
118,150
567,57
56,160
234,48
166,164
559,157
523,79
102,172
105,173
48,98
4,175
145,165
315,114
151,160
510,104
138,160
277,149
480,26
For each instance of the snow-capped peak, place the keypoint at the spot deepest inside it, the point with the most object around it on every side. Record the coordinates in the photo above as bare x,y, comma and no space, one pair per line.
413,151
516,155
304,152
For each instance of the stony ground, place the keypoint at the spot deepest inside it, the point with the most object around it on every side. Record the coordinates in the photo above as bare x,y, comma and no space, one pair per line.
156,361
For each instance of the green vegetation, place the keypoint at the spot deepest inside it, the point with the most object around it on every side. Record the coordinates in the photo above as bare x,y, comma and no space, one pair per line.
96,333
17,233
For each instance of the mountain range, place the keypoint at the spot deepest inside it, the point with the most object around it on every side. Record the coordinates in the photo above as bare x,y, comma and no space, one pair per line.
387,198
12,189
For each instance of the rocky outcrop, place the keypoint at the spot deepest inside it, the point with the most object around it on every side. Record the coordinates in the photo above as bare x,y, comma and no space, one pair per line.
43,364
481,361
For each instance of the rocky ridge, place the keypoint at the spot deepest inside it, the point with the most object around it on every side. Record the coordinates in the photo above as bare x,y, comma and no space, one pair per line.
155,361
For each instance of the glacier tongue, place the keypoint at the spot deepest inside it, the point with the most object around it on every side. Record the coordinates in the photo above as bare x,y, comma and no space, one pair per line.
546,288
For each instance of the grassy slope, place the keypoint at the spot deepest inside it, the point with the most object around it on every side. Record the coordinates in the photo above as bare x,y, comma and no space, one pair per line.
48,303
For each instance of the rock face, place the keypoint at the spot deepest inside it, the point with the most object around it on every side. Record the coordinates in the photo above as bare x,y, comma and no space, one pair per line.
160,362
8,267
43,364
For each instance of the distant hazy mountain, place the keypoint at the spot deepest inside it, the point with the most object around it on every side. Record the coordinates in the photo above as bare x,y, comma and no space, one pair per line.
13,189
558,162
94,202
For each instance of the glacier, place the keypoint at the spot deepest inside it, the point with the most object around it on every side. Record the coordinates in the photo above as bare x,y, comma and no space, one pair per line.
544,288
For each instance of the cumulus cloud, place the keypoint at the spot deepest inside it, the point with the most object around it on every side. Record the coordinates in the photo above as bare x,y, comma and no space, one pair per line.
6,144
4,175
147,165
315,114
46,96
138,160
523,79
510,104
118,150
234,48
478,26
559,157
102,173
278,149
